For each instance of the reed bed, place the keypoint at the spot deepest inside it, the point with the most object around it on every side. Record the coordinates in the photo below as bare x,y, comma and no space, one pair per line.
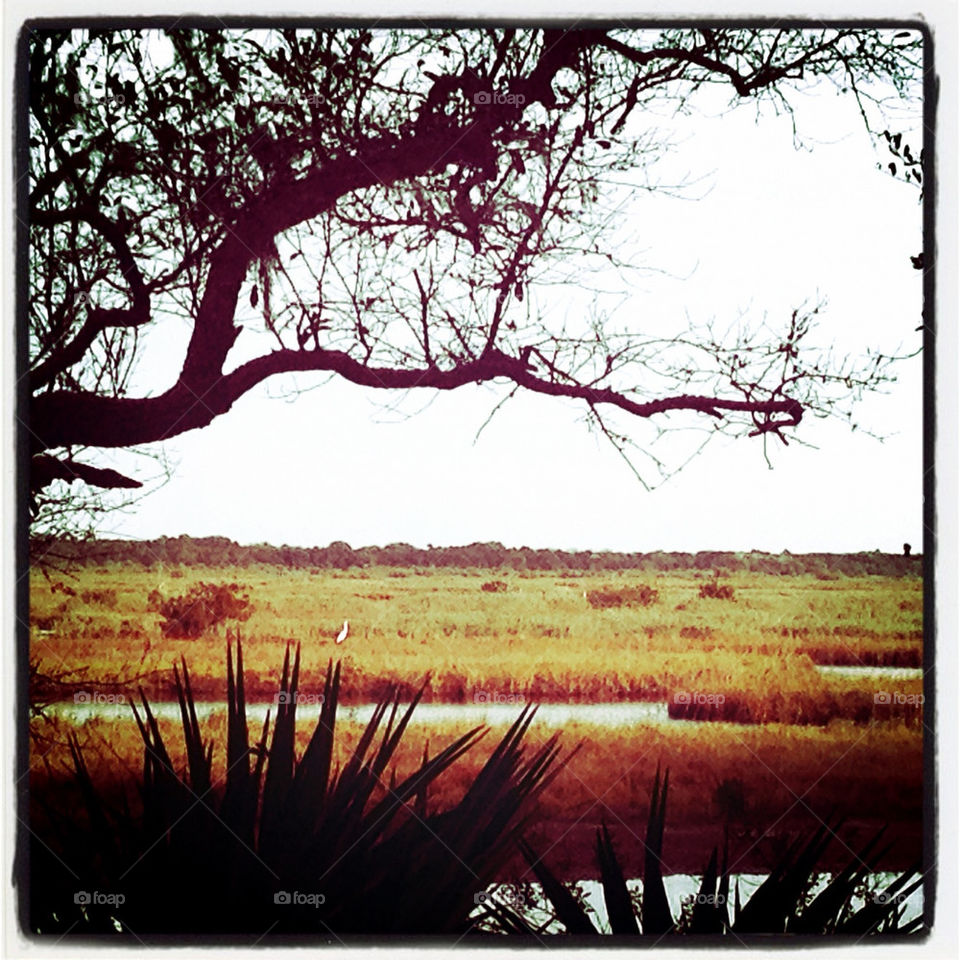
213,850
538,637
751,774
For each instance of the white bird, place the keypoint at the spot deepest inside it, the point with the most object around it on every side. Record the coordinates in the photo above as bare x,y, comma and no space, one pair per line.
342,635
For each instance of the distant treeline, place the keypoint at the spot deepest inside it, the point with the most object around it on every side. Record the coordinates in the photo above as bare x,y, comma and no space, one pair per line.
220,551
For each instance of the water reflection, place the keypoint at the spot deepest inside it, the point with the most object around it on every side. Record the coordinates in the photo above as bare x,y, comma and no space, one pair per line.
493,714
528,899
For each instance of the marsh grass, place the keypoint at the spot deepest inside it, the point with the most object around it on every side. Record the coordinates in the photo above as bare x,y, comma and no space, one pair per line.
875,770
823,738
364,846
207,853
539,637
714,590
640,595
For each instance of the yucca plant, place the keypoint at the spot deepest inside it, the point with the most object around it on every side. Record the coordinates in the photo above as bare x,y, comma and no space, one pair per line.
780,905
283,845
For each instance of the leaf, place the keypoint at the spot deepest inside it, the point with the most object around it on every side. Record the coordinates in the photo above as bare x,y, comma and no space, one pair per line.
616,894
655,914
569,912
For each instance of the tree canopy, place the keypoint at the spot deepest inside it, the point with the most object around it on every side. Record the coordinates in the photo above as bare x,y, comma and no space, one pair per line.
222,552
385,205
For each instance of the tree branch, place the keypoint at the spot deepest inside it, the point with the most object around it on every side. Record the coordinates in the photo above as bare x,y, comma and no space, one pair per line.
66,416
98,318
44,469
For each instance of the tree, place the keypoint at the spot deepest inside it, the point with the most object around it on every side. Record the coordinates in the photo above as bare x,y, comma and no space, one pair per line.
381,205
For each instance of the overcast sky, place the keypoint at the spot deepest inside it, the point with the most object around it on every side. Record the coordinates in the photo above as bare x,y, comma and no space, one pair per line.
764,228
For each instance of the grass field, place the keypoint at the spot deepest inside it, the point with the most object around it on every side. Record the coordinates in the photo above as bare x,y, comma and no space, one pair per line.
539,637
813,742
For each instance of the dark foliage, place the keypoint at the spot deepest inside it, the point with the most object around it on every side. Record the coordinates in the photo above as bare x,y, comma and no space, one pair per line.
639,596
780,905
716,591
202,608
221,551
283,844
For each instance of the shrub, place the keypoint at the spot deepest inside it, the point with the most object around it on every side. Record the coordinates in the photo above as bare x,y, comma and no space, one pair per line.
641,596
104,598
494,586
716,591
204,606
58,586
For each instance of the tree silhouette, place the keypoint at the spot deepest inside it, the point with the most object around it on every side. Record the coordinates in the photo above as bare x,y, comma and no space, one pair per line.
381,205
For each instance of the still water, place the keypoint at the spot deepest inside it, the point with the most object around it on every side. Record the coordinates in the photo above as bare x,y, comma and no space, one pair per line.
494,711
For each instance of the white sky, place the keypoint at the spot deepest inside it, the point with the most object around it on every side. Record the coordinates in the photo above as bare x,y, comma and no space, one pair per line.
773,227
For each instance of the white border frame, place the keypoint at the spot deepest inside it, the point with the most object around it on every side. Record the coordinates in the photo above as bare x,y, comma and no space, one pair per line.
940,15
